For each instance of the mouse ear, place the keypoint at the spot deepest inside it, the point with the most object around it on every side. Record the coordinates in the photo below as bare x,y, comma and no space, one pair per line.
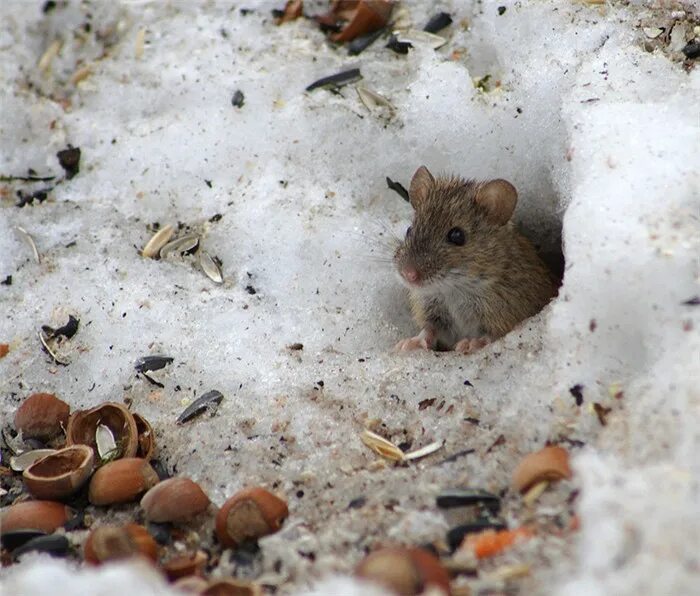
421,183
498,198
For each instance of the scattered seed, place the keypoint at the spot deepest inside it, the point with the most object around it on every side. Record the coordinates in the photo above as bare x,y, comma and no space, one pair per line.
238,99
29,241
577,392
336,81
372,100
535,492
357,503
438,22
69,159
28,198
106,445
455,456
424,451
140,43
68,330
54,544
398,188
694,301
602,412
652,32
691,50
210,267
80,75
157,241
466,497
16,538
209,401
44,342
417,37
508,572
21,462
7,281
296,346
362,42
501,10
150,363
187,244
381,446
400,47
14,445
48,56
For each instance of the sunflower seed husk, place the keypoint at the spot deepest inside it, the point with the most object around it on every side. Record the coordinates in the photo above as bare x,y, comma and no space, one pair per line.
48,56
21,462
53,544
157,241
179,246
417,37
45,343
16,538
337,80
209,401
12,443
373,100
27,236
106,445
149,363
381,446
210,267
457,497
68,330
423,451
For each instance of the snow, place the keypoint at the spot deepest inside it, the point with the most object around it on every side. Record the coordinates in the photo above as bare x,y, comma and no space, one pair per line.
601,138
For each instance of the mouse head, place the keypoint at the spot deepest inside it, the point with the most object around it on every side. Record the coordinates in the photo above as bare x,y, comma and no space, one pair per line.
455,228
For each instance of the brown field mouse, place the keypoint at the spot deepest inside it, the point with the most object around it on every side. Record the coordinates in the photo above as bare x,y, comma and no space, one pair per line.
471,276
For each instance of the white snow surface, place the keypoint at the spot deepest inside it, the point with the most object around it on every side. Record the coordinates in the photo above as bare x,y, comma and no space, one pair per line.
600,136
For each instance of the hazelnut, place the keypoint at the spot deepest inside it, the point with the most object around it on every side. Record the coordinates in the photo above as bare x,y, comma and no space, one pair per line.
107,543
185,564
249,515
404,571
174,500
60,474
46,516
42,416
82,427
121,481
146,437
232,587
548,464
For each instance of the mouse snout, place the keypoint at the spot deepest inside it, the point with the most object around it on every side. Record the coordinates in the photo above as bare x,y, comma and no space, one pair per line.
410,274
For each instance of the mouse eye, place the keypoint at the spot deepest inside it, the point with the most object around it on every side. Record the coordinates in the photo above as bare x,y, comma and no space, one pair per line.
456,236
408,231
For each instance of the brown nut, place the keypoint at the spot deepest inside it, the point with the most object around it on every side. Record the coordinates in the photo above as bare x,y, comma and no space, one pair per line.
121,481
184,565
174,500
368,16
46,516
249,515
404,571
60,474
109,543
82,427
550,463
232,587
42,416
146,438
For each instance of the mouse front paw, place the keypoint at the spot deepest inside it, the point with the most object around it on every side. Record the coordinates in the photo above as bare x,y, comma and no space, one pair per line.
425,340
471,345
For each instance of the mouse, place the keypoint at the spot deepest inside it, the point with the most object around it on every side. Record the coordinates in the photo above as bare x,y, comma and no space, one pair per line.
471,276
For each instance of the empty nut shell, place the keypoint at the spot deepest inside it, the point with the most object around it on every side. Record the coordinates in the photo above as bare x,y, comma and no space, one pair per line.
548,464
60,474
404,571
42,416
185,565
82,427
249,515
174,500
109,543
121,481
146,438
46,516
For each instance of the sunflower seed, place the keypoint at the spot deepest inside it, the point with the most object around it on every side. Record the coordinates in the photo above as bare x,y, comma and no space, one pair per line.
180,246
16,538
373,100
209,401
157,241
424,451
210,267
438,22
44,342
30,241
53,544
21,462
149,363
337,80
381,446
466,497
106,445
417,37
48,56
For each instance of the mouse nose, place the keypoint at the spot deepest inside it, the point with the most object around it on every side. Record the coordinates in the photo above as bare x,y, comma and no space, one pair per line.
410,274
